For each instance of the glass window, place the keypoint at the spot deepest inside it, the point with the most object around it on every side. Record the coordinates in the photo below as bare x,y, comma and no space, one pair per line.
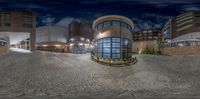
106,50
115,55
124,25
105,55
7,24
193,43
129,28
106,40
115,44
115,39
166,34
180,44
125,42
100,26
115,23
115,50
106,44
106,24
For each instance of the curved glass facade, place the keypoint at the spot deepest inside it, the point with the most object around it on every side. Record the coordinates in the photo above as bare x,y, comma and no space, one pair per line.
117,23
111,47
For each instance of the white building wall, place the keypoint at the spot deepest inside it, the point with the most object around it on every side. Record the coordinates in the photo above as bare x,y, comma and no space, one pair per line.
51,33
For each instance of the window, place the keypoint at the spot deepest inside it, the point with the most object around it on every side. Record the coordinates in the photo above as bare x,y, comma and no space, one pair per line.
115,55
100,26
115,39
106,24
124,25
28,14
105,55
106,49
106,44
28,22
166,34
7,24
115,23
115,50
115,44
112,23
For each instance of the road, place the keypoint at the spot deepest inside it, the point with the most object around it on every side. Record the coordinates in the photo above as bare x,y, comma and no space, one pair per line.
45,75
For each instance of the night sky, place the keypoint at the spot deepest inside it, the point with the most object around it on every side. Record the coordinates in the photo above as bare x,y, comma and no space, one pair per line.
144,13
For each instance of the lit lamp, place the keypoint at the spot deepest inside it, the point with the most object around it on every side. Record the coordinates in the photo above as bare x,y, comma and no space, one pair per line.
71,44
44,45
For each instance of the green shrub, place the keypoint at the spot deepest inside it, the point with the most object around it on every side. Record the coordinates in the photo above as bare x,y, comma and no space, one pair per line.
147,50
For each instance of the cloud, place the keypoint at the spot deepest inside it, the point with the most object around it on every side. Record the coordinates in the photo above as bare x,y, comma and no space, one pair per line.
141,1
48,20
193,8
145,23
66,21
26,6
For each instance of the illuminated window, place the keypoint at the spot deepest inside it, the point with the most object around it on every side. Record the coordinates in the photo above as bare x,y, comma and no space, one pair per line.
106,24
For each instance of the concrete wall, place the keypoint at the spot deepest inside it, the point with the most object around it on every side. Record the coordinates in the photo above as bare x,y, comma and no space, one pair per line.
51,33
181,50
136,46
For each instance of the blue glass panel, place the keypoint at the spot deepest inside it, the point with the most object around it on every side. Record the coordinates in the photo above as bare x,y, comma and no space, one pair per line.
106,24
106,55
129,28
124,25
166,34
115,23
125,41
115,39
107,40
115,50
115,44
115,55
100,26
106,50
106,44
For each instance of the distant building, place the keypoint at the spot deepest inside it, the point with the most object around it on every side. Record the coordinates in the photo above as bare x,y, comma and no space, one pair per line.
146,39
17,29
51,38
181,34
80,37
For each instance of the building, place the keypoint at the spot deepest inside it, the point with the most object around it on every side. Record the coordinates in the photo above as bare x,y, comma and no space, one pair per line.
51,38
147,38
17,29
80,37
181,34
113,38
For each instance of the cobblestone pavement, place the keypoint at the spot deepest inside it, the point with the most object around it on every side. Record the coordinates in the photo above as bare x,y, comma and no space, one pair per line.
44,75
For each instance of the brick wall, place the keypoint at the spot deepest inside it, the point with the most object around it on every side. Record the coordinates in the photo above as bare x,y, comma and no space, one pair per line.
181,50
136,46
3,49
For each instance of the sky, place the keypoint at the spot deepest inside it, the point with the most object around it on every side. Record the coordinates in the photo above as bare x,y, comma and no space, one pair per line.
145,14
